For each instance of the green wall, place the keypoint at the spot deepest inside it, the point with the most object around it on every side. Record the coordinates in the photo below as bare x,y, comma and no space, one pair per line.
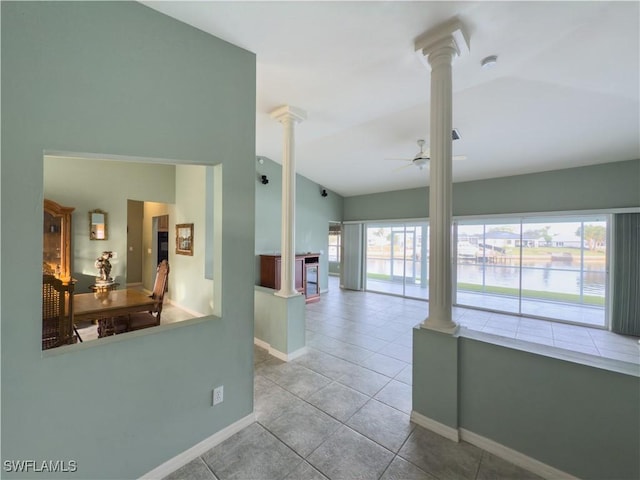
579,419
576,418
313,214
117,78
280,322
609,185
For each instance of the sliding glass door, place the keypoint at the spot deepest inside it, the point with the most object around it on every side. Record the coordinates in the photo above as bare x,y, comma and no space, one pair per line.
548,267
397,260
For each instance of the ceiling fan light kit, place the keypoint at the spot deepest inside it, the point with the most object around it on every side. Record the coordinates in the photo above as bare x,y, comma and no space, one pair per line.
489,62
423,157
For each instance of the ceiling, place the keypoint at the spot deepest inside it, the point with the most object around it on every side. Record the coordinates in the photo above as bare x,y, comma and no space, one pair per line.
564,93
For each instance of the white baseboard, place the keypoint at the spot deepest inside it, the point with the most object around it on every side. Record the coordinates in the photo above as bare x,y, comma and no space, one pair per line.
198,449
440,428
513,456
188,310
495,448
261,343
134,284
285,357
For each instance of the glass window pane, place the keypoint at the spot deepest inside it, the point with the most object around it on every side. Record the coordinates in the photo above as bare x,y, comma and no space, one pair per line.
564,269
381,260
416,261
488,266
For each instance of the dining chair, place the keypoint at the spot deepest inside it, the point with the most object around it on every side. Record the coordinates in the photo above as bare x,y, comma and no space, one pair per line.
56,324
138,321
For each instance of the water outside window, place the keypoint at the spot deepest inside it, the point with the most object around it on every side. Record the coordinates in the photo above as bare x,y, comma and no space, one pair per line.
550,267
544,267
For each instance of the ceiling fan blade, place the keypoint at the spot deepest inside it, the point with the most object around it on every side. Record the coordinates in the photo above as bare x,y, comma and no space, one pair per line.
399,159
403,167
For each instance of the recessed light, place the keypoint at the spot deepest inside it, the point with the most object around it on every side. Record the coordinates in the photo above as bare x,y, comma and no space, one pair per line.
489,62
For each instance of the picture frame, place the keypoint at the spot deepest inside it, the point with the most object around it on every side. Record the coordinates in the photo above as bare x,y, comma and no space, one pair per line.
98,225
184,239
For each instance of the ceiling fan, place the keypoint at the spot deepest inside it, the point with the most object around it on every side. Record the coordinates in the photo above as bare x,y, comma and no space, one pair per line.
422,158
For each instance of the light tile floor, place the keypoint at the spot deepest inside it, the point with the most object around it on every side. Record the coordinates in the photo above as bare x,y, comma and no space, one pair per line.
341,411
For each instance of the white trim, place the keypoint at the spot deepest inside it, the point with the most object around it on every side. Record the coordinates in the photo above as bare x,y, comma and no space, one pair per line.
440,428
261,343
386,220
513,456
285,357
495,448
119,158
134,284
550,213
559,353
198,449
188,310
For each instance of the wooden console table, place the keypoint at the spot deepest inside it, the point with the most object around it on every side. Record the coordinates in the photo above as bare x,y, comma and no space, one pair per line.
307,274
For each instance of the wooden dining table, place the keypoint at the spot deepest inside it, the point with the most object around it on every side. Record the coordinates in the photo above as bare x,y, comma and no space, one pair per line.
114,303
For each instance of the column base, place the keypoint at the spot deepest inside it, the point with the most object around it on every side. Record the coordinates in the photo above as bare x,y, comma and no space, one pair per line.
286,294
450,327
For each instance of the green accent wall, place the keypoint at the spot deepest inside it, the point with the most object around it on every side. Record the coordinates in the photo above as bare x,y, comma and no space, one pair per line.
579,419
608,185
280,322
576,418
313,214
435,383
117,78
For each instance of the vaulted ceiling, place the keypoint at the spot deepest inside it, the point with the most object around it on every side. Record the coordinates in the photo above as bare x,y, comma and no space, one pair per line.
564,93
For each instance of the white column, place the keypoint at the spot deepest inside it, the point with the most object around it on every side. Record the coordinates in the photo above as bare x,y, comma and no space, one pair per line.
288,116
440,46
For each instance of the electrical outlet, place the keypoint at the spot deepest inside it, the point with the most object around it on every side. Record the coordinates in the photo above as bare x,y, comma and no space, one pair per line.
218,395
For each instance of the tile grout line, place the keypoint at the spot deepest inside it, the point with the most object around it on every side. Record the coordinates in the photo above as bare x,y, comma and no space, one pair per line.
342,423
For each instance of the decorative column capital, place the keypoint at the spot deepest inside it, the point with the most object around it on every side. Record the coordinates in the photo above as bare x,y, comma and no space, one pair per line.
288,113
449,37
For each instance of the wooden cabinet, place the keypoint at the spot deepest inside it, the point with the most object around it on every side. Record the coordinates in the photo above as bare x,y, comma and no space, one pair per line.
306,274
57,284
56,242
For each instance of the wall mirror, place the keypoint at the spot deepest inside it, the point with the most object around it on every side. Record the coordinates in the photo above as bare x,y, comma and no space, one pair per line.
98,225
184,239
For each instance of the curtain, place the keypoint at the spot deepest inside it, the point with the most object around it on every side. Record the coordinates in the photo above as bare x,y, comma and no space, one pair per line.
626,274
352,242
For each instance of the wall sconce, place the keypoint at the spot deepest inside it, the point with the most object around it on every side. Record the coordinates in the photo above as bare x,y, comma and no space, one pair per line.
324,192
263,179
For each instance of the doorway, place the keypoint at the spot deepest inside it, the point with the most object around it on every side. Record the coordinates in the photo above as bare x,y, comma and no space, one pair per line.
162,238
397,260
